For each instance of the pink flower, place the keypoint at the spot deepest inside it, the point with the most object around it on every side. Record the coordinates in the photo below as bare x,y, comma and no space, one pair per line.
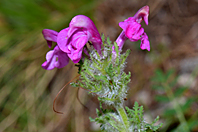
133,30
71,42
55,58
73,39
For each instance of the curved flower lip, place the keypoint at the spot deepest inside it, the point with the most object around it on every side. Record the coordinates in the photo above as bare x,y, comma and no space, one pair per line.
73,46
55,58
142,13
50,35
86,25
77,40
83,22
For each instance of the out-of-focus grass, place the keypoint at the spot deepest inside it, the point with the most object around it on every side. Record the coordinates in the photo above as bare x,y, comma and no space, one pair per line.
26,92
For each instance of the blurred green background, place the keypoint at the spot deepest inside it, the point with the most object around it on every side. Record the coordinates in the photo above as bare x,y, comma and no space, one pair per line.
164,80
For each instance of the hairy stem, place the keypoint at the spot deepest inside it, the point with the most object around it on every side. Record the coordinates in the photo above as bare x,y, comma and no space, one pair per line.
121,111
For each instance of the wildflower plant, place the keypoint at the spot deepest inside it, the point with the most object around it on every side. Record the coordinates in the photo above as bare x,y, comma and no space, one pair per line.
101,67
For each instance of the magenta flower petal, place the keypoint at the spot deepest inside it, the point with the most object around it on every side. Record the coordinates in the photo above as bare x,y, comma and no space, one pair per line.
142,14
134,31
80,39
72,45
49,64
75,55
86,25
127,22
62,40
76,47
145,44
55,58
73,39
50,36
137,35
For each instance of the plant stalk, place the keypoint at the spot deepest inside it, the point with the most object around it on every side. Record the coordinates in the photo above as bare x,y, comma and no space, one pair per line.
121,111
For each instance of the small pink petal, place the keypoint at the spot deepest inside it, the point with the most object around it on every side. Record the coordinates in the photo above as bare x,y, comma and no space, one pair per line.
142,13
63,40
79,40
55,58
50,36
76,55
145,44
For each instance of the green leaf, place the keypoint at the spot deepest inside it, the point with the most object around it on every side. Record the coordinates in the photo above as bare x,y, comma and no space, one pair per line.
98,112
157,87
179,91
159,76
162,98
74,84
152,127
108,40
169,73
169,112
91,119
117,52
187,104
193,123
101,77
103,38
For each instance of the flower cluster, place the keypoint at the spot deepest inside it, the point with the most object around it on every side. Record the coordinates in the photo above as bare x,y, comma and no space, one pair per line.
72,40
102,72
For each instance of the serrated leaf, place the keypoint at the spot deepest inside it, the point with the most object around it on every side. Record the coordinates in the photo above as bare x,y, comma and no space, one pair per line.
98,112
103,38
108,40
153,128
74,84
101,77
156,119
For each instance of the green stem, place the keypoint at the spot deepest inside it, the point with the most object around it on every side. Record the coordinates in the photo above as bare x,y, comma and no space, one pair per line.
177,107
123,115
